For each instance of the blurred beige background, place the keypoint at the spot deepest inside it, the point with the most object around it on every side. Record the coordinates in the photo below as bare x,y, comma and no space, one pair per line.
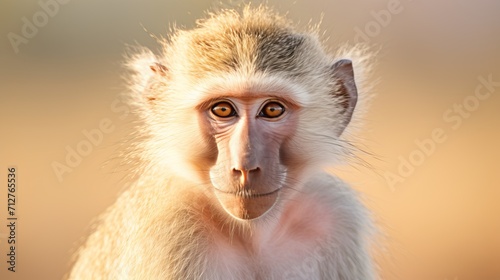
439,209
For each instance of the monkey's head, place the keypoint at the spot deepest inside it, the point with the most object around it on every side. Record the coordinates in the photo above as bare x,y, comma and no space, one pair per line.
245,105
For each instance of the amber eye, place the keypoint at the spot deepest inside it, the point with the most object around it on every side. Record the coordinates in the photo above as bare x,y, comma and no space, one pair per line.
272,110
223,110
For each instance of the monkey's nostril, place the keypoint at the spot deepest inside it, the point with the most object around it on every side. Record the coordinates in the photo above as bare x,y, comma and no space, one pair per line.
256,169
237,172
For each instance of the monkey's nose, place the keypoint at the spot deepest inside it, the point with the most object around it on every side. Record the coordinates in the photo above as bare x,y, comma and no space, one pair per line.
244,174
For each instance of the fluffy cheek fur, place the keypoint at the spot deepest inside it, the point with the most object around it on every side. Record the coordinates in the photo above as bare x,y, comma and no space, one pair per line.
316,143
178,144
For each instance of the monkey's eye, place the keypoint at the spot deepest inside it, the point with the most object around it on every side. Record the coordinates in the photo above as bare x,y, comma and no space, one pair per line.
223,110
272,110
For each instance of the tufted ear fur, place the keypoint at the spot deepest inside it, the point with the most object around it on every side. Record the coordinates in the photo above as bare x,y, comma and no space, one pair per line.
155,82
159,69
345,90
148,76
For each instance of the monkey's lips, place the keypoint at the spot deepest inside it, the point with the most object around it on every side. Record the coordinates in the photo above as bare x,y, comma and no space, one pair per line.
247,205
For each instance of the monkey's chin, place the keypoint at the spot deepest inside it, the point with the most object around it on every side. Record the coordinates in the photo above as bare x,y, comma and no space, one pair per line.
245,206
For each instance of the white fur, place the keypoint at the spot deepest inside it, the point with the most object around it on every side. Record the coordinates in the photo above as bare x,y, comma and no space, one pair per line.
169,225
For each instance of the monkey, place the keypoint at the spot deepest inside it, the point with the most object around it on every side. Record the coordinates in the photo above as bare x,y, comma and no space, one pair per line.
240,117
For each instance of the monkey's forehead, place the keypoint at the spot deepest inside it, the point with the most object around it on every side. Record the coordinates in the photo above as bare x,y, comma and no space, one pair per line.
244,86
257,40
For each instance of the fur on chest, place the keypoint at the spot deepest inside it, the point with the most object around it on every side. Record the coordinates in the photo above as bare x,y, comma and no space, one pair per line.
292,246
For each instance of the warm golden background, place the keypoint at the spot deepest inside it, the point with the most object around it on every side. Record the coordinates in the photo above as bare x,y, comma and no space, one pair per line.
442,221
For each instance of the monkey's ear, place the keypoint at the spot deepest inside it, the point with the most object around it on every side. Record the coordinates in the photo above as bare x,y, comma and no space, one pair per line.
155,82
159,69
346,91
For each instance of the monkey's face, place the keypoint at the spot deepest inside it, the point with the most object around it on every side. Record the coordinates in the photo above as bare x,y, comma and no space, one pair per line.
257,133
249,133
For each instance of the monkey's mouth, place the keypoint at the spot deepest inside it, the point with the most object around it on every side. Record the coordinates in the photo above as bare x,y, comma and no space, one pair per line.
247,204
249,193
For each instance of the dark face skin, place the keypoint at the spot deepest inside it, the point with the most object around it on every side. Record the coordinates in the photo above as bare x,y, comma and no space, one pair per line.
249,130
